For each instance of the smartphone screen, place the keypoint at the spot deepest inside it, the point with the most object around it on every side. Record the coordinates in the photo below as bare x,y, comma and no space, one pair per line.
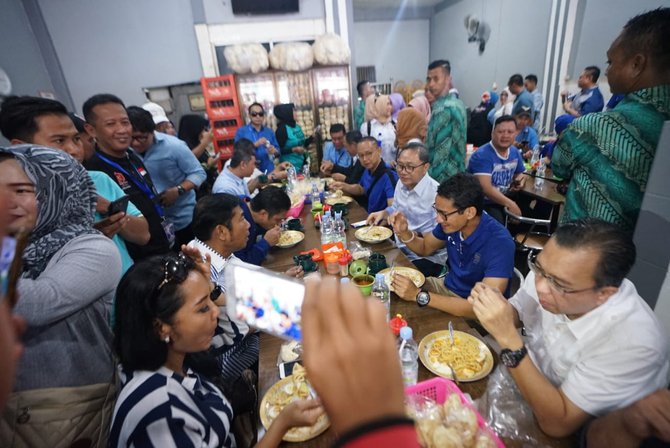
265,300
120,205
286,368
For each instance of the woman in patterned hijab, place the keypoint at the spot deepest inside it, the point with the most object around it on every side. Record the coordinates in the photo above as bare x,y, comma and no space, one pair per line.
66,201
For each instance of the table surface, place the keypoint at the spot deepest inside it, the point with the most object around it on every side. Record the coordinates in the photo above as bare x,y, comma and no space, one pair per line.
547,193
422,320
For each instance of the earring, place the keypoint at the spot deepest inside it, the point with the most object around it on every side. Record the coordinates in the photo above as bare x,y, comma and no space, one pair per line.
167,339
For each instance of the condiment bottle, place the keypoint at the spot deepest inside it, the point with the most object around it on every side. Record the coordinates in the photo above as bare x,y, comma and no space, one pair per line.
344,265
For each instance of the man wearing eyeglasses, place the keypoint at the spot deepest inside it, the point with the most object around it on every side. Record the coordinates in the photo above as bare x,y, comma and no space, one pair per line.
479,248
593,343
262,137
499,167
413,196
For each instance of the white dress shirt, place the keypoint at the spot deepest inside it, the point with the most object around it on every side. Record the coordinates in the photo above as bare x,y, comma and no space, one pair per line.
417,206
604,360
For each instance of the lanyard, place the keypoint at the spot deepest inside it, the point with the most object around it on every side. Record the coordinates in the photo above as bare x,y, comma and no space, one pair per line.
138,180
340,156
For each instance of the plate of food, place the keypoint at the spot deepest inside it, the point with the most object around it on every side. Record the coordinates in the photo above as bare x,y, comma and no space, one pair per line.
470,358
373,234
290,238
338,198
292,388
416,276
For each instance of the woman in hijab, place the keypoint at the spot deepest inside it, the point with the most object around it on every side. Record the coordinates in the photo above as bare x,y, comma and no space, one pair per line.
195,132
398,103
411,126
421,104
370,107
70,272
290,136
382,128
504,106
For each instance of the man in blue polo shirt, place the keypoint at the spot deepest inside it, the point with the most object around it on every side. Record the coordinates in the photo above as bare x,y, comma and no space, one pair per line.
589,99
479,248
499,168
526,137
262,137
336,159
378,180
264,213
524,100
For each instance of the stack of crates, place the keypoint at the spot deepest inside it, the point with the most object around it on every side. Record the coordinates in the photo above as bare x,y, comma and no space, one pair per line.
223,111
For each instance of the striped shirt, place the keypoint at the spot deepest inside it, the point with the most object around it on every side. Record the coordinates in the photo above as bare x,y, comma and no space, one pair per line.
163,409
236,348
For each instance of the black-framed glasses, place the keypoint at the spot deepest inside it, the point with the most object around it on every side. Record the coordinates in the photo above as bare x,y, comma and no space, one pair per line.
409,168
538,270
141,138
446,215
257,114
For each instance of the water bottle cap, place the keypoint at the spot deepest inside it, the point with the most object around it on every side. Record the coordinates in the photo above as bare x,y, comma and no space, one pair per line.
406,333
345,280
379,277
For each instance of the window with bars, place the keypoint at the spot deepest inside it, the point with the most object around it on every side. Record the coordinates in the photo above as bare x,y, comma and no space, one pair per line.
366,72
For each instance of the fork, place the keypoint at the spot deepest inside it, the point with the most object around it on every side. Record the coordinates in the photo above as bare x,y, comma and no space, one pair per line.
453,374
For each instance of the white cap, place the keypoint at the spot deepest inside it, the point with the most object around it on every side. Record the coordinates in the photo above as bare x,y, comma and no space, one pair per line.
156,111
406,333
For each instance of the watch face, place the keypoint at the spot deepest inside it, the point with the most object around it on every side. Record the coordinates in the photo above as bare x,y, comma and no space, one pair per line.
423,298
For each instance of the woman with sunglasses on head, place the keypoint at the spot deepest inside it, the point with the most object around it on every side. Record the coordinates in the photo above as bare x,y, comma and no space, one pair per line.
70,270
164,313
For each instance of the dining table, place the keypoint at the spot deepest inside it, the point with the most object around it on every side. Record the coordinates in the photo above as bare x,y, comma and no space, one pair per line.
423,321
547,192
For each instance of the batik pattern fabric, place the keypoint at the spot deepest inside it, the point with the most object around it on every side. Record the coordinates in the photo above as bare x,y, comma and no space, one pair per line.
446,138
608,156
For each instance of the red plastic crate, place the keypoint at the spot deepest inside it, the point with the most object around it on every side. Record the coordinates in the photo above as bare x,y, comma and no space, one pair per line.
221,87
439,389
224,147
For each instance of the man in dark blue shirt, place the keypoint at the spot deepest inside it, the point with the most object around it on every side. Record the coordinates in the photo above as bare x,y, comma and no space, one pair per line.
524,100
589,99
479,248
264,213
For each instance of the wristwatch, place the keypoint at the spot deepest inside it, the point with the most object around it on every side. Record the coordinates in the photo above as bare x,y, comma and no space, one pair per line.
181,190
422,299
512,358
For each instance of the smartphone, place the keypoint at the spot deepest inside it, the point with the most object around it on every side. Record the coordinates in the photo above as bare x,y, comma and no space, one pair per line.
264,299
120,205
286,368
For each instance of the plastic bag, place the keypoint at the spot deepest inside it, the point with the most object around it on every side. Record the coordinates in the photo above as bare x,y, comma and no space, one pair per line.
246,58
292,56
358,251
331,49
506,411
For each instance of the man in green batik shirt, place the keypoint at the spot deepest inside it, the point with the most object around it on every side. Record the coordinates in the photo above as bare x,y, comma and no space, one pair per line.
446,131
364,90
608,155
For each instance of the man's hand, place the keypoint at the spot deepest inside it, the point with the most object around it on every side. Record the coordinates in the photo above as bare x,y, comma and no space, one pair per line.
102,205
335,185
376,217
339,177
494,312
271,150
112,224
295,271
326,166
169,196
272,236
299,413
206,136
650,416
400,225
518,183
283,166
260,142
514,208
350,355
404,287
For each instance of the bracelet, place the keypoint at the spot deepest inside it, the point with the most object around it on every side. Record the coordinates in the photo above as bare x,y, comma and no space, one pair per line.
409,240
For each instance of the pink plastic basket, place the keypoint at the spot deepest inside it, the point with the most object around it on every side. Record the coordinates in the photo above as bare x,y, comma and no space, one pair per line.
295,211
439,389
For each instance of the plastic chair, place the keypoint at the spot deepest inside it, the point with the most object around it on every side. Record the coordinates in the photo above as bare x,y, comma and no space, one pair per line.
530,240
514,288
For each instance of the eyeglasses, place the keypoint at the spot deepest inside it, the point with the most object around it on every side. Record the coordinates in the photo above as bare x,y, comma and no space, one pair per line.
257,114
409,168
141,138
446,215
174,269
538,270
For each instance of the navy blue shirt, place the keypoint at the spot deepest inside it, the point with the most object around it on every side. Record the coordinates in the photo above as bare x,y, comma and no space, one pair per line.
263,159
257,247
524,101
486,161
588,101
379,186
487,252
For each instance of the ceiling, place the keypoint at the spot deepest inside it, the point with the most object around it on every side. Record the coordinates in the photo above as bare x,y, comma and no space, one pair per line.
375,4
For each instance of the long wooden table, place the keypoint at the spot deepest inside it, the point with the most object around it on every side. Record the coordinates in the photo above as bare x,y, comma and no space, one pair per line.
546,193
422,320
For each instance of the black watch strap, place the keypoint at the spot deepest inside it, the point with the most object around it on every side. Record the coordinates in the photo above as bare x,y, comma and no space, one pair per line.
181,190
512,358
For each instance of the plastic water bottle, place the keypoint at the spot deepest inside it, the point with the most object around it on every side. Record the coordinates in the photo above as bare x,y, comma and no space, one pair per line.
316,197
535,157
340,233
326,229
307,167
539,175
409,354
380,291
292,177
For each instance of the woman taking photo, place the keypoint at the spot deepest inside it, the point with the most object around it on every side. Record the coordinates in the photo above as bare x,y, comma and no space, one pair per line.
165,312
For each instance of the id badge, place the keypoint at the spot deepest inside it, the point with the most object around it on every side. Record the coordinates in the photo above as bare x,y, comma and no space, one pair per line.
168,228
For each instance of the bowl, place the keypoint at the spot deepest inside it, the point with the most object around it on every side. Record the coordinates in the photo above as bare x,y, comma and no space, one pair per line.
364,283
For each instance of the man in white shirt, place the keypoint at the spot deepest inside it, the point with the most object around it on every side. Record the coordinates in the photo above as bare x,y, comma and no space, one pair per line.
594,345
414,196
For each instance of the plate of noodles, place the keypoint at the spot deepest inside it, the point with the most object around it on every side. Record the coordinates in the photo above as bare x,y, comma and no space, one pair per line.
373,234
292,388
470,358
290,238
416,276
